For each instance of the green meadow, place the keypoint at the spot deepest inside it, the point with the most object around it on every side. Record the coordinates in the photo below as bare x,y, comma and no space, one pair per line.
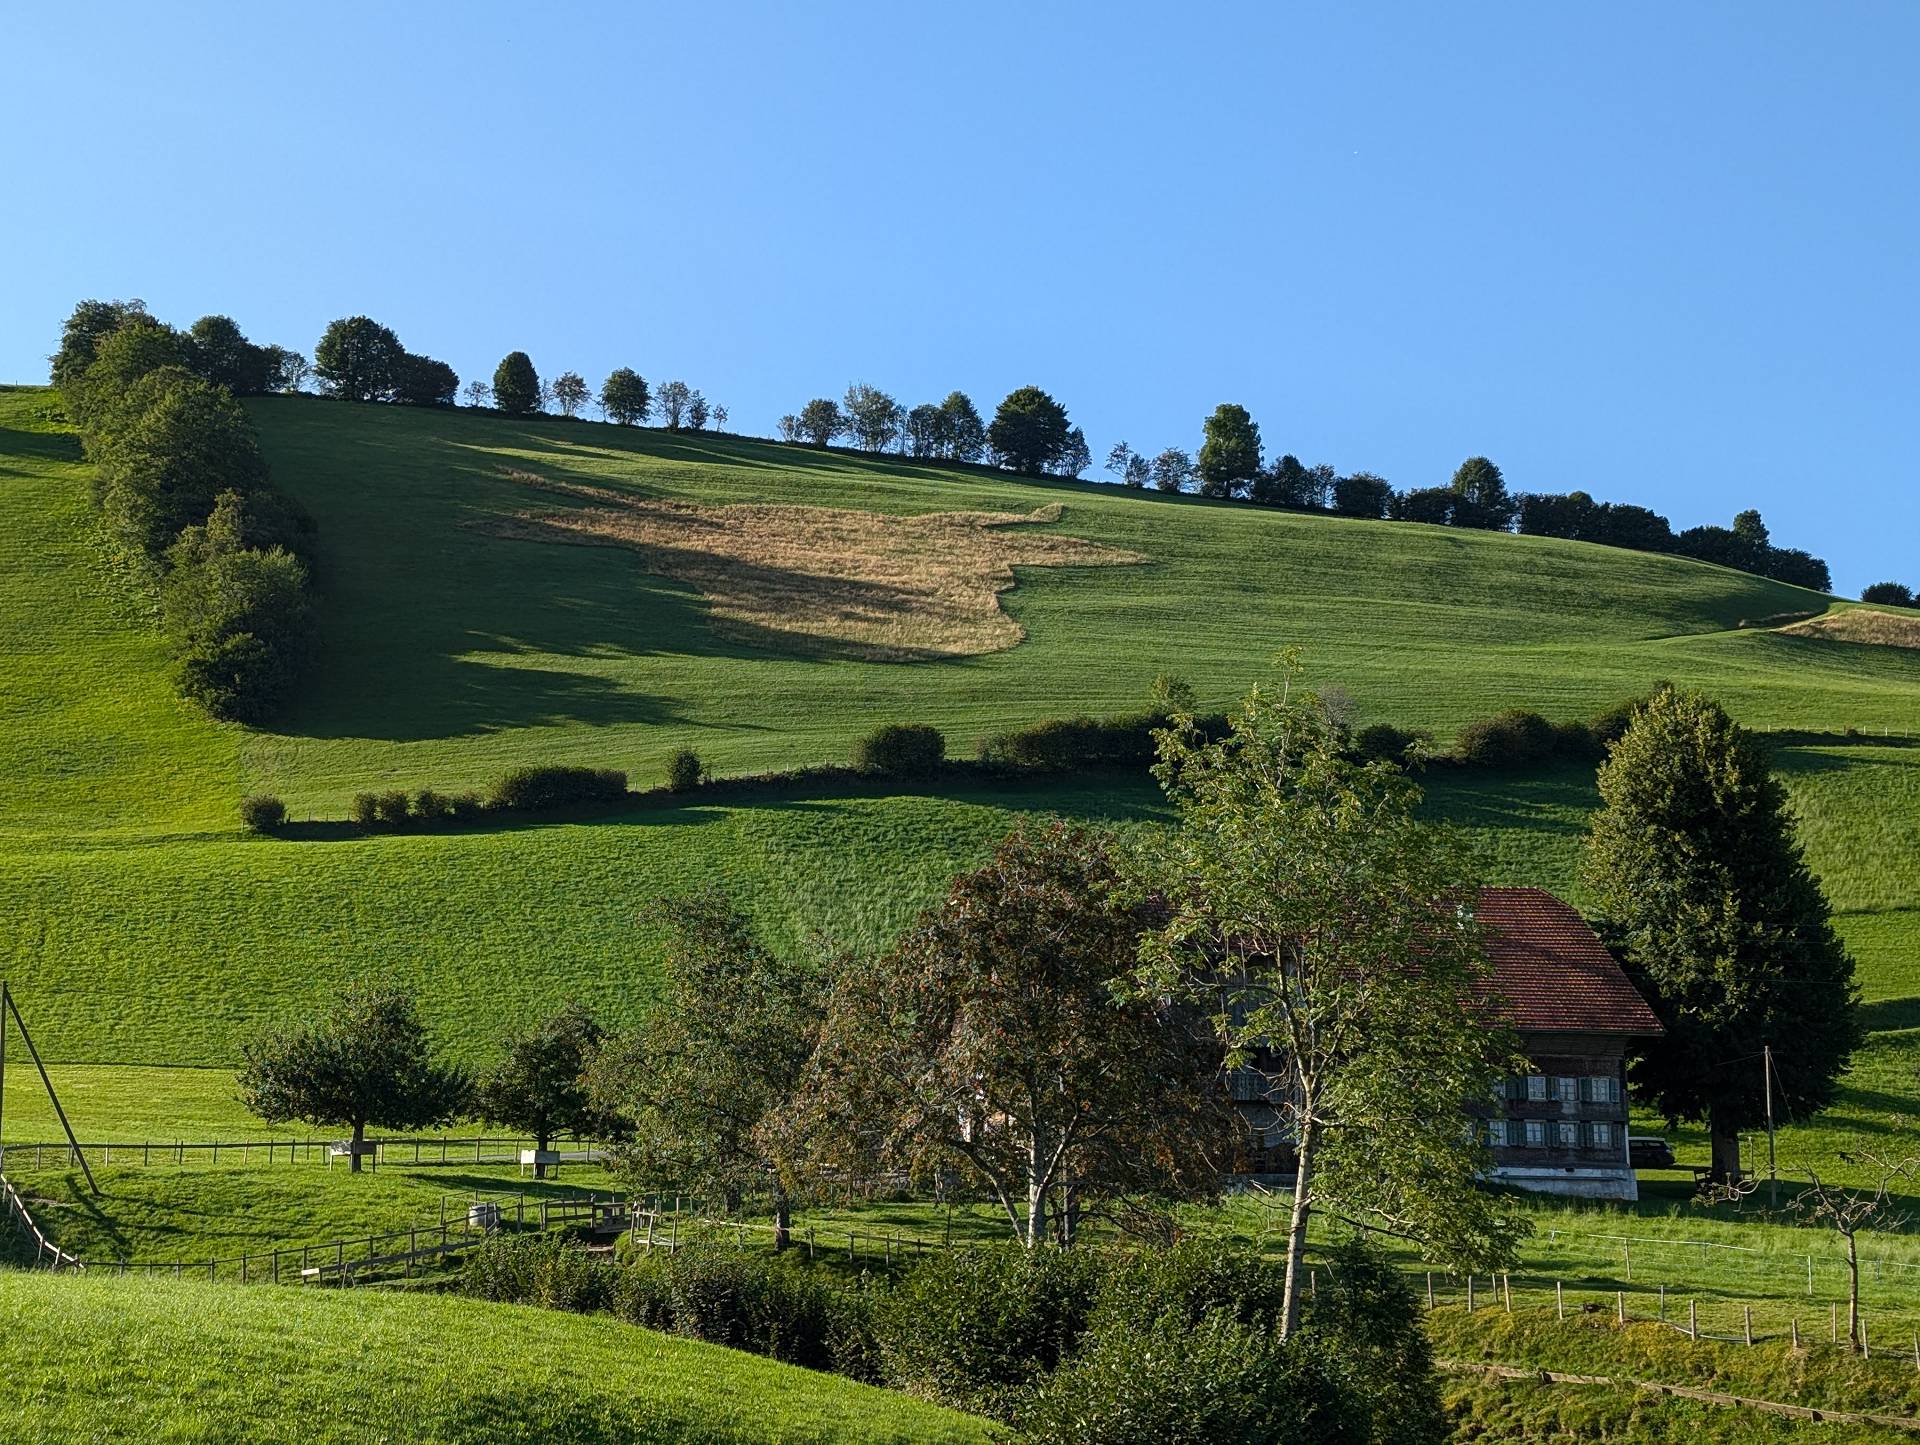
108,1359
146,935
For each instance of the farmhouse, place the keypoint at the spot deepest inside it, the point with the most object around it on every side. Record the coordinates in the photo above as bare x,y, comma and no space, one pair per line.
1561,1128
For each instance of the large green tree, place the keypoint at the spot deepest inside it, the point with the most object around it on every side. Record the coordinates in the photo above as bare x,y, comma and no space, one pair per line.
359,359
1230,452
220,352
966,434
997,1038
90,324
1706,896
1331,936
707,1083
1029,431
624,397
821,420
516,385
1481,496
367,1060
539,1084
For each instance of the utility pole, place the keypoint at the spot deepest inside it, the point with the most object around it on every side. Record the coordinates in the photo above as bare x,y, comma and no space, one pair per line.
1773,1179
8,1006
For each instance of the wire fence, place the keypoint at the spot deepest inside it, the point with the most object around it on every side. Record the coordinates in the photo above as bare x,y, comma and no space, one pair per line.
46,1254
485,1149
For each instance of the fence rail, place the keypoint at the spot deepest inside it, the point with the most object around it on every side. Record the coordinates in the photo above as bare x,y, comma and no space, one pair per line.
46,1254
486,1149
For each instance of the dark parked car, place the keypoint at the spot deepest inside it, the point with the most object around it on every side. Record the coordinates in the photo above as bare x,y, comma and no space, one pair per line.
1649,1151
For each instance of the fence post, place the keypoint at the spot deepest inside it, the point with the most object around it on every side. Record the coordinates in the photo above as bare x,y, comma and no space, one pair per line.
1809,1276
1796,1334
1620,1305
1429,1289
1626,1253
1663,1302
1866,1350
1833,1324
1506,1288
1469,1294
1559,1302
1693,1321
1746,1313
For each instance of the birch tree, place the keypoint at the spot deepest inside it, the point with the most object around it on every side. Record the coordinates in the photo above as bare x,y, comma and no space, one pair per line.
1331,938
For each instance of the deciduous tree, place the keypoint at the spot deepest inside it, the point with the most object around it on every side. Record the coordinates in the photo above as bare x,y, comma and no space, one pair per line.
1172,470
966,435
539,1084
1074,456
674,400
1330,935
994,1039
423,381
478,394
1230,452
516,385
1362,494
571,392
873,417
1706,896
366,1061
821,421
1481,496
707,1084
359,359
1029,431
624,398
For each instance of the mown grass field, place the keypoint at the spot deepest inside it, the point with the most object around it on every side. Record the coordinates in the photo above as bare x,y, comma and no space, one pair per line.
128,1360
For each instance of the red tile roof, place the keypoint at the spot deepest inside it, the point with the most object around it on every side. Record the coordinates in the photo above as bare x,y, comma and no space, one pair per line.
1553,971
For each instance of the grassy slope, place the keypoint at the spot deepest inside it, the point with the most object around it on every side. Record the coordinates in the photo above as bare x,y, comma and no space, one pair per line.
124,1360
452,655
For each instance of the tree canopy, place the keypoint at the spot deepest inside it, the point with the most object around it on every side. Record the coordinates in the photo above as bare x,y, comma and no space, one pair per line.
821,420
1330,935
624,397
366,1060
1029,431
516,385
1705,894
359,359
996,1039
539,1084
1481,497
1230,452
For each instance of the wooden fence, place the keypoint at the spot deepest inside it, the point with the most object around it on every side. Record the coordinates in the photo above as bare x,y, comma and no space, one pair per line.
483,1150
46,1254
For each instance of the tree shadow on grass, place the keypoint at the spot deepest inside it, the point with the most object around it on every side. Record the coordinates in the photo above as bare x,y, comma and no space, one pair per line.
45,446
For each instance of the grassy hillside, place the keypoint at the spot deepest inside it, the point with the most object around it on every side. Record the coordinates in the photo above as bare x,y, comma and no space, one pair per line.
144,929
125,1360
452,654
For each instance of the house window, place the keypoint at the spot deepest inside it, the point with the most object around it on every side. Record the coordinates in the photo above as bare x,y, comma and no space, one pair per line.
1569,1134
1600,1135
1568,1089
1536,1089
1497,1133
1536,1133
1606,1089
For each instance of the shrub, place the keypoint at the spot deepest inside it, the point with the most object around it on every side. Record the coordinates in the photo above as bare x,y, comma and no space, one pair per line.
1189,1282
901,750
773,1305
431,807
539,1270
393,809
542,788
365,810
1512,739
1383,742
977,1329
465,807
1060,745
1366,1317
685,771
1217,1383
1575,740
262,814
239,678
1895,594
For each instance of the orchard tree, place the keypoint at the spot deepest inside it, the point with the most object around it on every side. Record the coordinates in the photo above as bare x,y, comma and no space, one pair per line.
571,392
1481,496
707,1084
1172,470
821,421
674,399
1029,432
698,412
539,1085
790,428
720,418
873,417
478,394
624,398
1230,452
1132,469
1707,898
997,1038
966,435
367,1060
1330,936
516,385
359,359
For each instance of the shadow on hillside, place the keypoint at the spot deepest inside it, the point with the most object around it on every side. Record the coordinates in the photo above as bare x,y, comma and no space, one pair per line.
48,446
1889,1015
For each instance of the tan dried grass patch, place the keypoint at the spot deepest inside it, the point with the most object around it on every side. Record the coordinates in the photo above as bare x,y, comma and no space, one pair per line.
826,579
1861,624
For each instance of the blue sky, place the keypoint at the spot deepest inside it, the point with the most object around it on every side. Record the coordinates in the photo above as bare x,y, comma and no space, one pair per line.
1670,254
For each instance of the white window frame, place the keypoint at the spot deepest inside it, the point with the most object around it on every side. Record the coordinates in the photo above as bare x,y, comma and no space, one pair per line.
1536,1134
1566,1088
1566,1134
1600,1134
1536,1088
